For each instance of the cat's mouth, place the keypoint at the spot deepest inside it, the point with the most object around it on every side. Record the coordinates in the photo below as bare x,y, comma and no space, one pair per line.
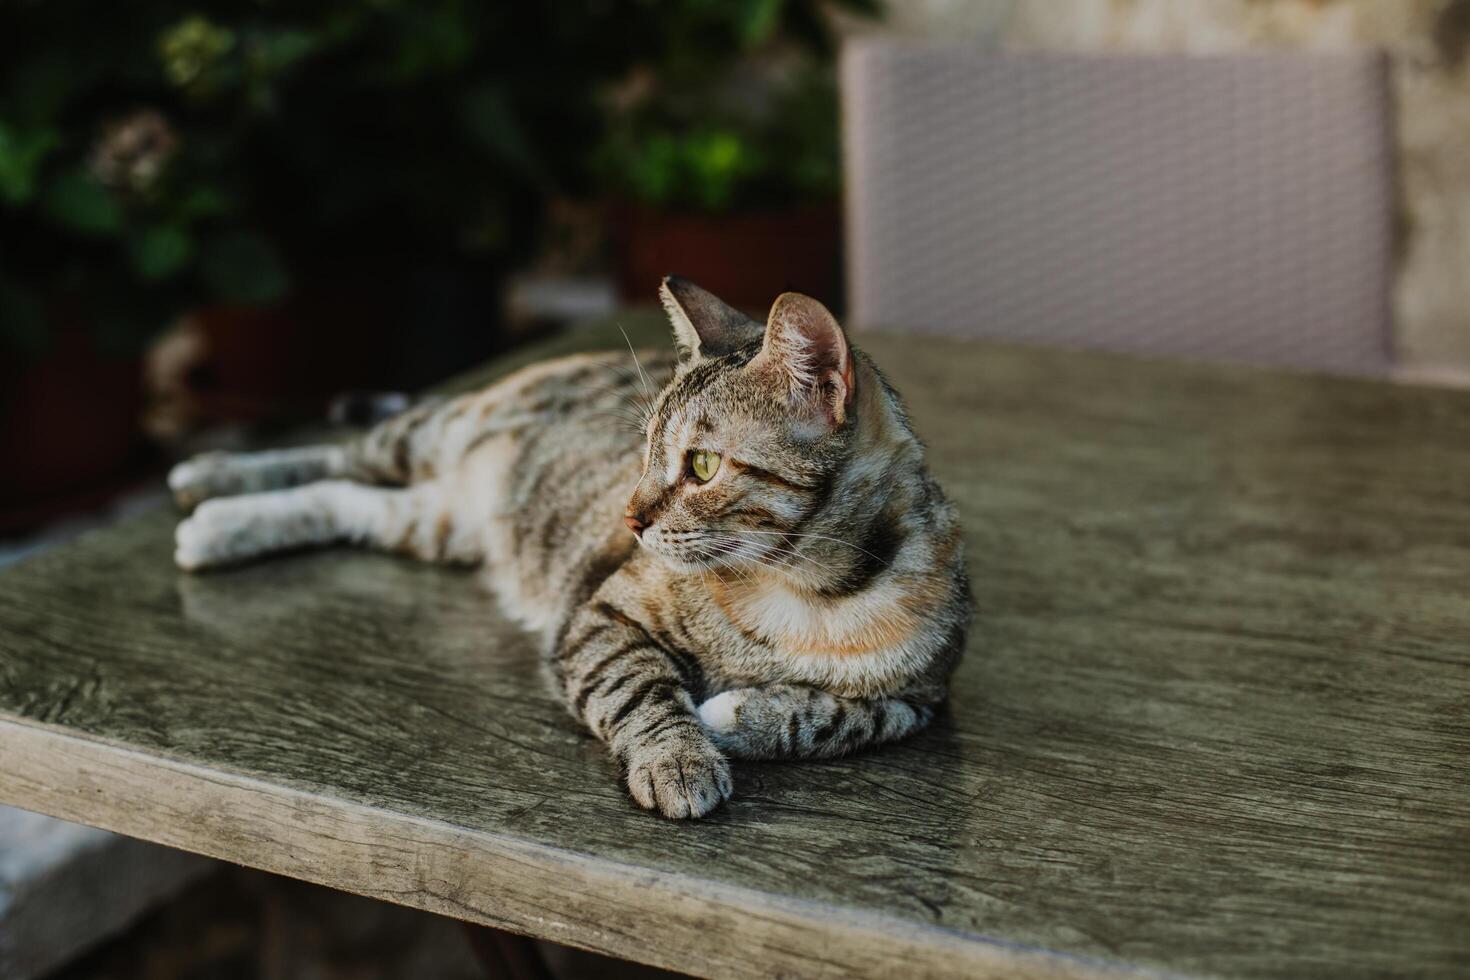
678,549
709,549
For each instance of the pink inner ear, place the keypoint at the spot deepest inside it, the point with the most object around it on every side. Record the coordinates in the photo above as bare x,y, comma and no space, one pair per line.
808,345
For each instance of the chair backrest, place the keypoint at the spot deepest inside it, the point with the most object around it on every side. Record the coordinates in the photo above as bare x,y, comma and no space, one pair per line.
1235,207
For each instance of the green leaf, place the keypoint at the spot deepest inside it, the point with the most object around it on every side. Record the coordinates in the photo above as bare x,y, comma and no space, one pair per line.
203,202
160,251
717,161
242,267
760,20
191,48
76,201
269,56
21,154
654,169
276,51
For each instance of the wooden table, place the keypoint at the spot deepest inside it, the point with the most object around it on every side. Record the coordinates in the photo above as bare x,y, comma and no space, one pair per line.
1215,717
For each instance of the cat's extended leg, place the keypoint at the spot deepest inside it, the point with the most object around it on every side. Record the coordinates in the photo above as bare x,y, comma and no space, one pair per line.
231,474
634,695
794,721
394,452
415,520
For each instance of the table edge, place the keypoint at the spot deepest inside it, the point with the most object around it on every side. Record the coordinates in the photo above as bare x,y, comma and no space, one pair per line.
491,879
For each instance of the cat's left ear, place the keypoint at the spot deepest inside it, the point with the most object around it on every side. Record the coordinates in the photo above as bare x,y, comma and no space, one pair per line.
704,325
806,346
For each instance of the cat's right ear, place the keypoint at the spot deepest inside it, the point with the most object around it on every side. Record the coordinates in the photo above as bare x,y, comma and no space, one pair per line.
704,325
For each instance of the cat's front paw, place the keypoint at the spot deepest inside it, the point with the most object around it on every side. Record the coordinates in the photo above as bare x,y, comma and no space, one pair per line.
721,718
195,545
680,778
220,532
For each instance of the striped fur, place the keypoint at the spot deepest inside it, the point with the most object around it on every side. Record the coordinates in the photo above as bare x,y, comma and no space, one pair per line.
810,599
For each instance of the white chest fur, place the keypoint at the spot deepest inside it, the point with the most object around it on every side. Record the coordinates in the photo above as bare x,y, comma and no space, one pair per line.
862,644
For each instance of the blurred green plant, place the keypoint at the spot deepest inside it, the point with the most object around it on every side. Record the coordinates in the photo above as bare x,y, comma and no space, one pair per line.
737,109
786,152
192,50
156,156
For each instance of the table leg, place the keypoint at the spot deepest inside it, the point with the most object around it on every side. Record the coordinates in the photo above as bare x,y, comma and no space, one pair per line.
505,955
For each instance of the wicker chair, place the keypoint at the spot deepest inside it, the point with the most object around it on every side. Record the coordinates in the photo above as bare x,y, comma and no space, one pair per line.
1236,207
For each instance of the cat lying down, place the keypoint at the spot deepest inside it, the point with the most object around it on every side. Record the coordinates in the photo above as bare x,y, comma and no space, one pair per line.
764,569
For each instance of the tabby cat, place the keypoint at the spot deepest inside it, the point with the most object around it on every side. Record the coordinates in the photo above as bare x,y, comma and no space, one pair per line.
764,570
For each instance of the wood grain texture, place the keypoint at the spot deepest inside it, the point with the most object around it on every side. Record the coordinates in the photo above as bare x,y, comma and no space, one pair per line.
1214,720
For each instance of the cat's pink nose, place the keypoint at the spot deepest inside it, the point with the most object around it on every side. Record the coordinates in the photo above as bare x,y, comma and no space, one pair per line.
634,524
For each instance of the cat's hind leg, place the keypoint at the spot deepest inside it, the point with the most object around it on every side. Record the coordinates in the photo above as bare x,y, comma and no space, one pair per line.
222,474
415,520
395,452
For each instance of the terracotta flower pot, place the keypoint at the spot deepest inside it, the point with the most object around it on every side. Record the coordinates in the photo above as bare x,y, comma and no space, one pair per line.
746,258
68,420
288,361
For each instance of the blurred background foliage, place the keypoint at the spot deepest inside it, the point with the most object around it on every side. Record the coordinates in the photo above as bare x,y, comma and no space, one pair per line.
155,157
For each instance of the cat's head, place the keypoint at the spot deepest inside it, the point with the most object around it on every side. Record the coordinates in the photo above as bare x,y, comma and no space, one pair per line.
746,441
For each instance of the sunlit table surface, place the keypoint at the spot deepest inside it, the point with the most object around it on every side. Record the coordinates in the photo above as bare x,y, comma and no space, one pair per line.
1214,718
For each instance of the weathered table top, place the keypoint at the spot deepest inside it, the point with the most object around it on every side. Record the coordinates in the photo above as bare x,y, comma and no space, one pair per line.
1215,717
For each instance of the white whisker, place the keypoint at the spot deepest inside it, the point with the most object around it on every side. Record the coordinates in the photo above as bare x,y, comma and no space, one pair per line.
819,537
632,399
775,558
722,551
636,363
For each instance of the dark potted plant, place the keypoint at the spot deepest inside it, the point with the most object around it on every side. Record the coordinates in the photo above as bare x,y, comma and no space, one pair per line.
91,264
722,155
332,190
391,159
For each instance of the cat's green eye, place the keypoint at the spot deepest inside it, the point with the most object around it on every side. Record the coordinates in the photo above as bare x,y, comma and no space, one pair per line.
704,464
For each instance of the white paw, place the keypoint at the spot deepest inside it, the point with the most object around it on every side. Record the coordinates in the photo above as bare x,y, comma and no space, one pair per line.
190,551
211,537
721,712
193,545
